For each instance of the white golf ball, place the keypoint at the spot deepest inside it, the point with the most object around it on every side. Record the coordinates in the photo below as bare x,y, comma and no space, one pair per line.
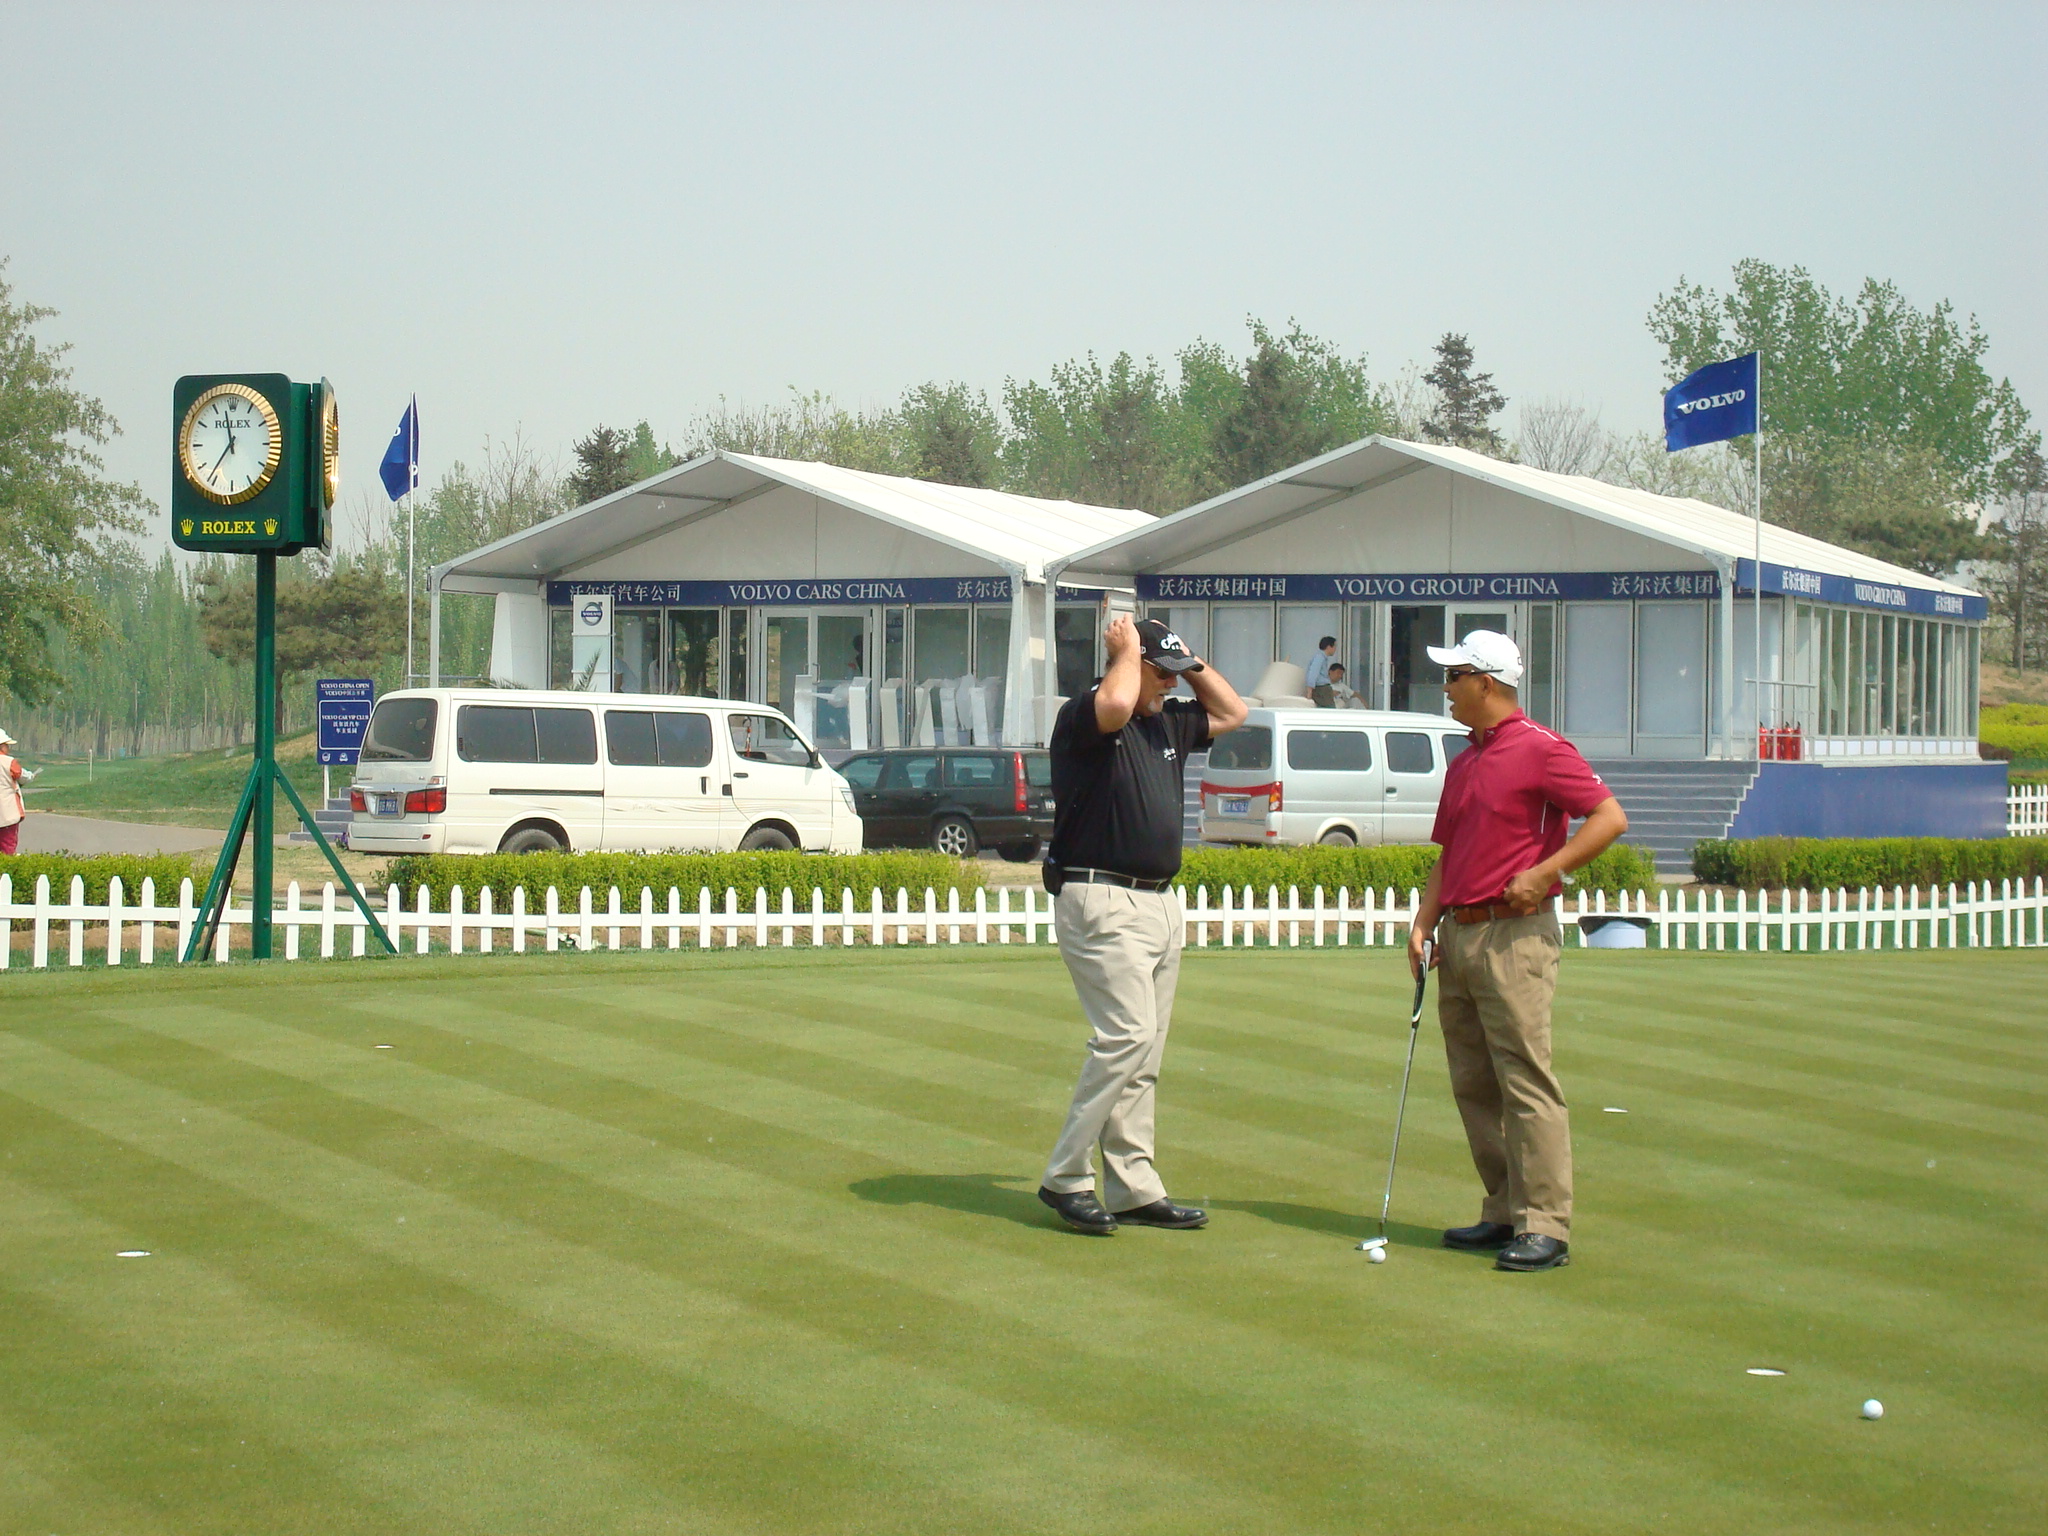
1378,1255
1872,1408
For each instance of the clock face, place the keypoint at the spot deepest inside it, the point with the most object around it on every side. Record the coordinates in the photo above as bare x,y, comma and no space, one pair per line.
330,445
229,445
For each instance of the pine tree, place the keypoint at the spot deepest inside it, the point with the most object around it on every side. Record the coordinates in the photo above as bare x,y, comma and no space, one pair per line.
1466,400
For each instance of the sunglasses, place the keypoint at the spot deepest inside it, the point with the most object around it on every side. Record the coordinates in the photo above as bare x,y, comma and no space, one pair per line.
1453,675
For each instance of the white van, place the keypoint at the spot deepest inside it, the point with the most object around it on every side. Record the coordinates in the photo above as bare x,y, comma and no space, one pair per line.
493,770
1339,776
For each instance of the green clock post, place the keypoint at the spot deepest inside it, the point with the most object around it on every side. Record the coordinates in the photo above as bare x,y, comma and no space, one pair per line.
255,471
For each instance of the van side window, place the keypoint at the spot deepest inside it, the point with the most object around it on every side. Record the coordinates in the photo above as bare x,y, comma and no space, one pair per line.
971,770
566,735
765,739
1453,745
683,741
629,738
1249,746
1408,752
401,731
492,733
1328,751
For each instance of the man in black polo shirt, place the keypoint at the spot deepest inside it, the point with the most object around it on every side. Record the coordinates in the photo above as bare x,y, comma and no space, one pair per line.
1119,758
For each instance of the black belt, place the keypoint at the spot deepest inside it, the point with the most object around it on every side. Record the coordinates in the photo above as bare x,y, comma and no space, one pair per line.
1111,877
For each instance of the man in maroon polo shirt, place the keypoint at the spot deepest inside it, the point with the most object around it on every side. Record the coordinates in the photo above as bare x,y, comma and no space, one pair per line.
1502,824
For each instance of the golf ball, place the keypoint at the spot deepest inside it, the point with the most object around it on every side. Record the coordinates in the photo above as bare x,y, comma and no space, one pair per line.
1378,1256
1872,1408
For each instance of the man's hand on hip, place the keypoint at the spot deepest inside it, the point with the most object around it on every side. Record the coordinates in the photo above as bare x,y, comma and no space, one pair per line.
1525,893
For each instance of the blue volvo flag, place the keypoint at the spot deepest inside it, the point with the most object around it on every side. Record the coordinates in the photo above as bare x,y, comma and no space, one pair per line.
400,470
1712,404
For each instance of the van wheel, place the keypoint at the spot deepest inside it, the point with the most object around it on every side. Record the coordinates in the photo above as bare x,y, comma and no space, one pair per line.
1337,837
531,840
1020,853
954,835
766,838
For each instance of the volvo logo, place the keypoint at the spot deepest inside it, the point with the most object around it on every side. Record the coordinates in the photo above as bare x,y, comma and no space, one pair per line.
1712,402
592,614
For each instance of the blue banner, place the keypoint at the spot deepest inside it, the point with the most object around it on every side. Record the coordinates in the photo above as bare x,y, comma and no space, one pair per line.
1434,587
1856,592
1712,404
400,470
807,592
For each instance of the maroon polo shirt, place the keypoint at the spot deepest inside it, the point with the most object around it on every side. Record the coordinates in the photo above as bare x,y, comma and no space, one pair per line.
1505,808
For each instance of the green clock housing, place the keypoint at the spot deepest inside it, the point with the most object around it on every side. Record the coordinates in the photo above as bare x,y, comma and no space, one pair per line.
251,463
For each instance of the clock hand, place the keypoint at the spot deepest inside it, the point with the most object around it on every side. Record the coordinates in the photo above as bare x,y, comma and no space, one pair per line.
223,455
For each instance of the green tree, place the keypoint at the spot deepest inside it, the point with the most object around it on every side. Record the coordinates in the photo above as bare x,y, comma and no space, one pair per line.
1466,401
2018,579
1882,428
333,617
646,458
1096,434
604,464
952,434
56,505
1297,397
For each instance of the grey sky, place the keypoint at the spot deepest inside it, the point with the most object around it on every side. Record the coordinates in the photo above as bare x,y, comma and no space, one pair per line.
540,218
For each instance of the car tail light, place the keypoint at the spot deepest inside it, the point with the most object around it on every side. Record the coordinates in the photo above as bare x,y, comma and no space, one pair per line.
1023,789
1273,809
426,802
357,803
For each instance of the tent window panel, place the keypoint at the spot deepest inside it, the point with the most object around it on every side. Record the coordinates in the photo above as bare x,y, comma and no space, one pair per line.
1597,653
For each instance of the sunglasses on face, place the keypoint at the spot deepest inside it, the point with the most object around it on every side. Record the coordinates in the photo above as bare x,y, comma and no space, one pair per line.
1453,676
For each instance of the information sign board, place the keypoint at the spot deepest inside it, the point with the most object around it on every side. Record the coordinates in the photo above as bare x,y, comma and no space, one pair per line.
342,708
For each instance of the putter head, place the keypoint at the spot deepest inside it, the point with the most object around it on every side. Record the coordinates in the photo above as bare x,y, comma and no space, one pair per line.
1371,1243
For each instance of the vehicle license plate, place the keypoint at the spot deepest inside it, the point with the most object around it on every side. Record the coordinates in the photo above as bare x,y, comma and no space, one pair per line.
1237,805
387,805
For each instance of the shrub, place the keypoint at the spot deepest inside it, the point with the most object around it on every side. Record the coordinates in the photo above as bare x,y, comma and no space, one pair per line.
1815,863
1621,868
1400,866
166,869
2015,731
745,873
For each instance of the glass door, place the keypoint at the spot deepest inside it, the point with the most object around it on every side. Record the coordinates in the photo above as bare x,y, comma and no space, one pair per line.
845,688
1414,682
785,657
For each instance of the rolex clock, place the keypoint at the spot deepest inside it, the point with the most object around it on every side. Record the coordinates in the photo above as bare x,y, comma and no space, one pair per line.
252,465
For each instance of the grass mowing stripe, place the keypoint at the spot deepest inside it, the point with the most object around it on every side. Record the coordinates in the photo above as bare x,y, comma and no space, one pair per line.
286,1401
46,1489
874,1408
1140,1331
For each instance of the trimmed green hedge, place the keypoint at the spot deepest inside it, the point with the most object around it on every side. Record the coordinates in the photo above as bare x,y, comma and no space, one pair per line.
2019,731
568,873
1814,863
166,869
1402,866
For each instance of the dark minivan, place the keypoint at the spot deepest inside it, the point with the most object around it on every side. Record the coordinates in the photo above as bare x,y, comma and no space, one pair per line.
957,800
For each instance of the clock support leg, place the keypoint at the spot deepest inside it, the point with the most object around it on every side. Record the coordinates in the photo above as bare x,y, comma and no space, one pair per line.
262,853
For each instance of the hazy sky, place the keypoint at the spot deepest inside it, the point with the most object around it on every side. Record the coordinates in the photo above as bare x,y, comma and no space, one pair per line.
543,217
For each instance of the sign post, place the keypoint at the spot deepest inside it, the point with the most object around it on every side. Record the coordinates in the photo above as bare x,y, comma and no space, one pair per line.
255,469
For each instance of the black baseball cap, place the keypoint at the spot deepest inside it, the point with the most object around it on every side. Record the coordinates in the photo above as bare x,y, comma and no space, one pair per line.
1164,649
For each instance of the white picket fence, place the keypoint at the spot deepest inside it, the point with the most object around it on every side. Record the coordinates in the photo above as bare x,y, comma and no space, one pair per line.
2026,810
1972,916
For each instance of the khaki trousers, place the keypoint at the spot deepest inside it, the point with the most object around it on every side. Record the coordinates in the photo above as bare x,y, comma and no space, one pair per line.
1493,999
1123,950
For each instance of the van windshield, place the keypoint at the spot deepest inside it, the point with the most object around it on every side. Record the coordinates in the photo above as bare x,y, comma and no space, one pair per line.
401,731
1249,746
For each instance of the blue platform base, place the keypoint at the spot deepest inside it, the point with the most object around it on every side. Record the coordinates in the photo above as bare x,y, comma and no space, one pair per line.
1887,800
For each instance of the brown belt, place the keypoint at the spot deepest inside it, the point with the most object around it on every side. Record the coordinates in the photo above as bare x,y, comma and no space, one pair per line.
1498,911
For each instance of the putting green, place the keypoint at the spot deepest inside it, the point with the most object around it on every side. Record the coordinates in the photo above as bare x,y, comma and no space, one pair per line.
739,1244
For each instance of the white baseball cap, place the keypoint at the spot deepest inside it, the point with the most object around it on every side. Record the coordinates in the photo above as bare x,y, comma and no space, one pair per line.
1483,650
5,739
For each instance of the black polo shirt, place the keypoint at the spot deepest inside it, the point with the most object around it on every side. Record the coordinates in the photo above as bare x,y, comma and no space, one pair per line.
1120,797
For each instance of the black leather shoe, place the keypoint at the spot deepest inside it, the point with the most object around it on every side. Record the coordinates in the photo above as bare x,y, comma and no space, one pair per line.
1164,1213
1534,1250
1480,1236
1081,1211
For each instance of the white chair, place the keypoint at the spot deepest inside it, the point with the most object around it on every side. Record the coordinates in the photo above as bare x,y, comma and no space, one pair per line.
949,711
1283,683
856,714
923,731
807,705
892,712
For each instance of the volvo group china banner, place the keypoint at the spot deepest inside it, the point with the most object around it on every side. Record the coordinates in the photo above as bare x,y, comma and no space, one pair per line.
1433,587
1855,592
1712,404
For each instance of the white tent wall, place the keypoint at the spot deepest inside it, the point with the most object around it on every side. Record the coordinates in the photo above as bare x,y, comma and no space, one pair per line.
785,535
519,640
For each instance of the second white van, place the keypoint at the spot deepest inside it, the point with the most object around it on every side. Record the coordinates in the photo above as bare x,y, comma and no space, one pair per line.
486,770
1338,776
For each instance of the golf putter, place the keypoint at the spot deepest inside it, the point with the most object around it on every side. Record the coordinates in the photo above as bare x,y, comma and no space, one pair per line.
1414,1028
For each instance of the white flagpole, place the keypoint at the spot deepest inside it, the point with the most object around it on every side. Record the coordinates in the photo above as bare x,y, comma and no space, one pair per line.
1757,590
412,454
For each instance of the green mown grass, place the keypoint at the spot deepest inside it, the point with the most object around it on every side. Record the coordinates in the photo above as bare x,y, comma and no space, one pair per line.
741,1243
196,789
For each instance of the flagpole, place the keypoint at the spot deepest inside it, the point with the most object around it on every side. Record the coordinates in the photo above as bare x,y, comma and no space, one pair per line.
1757,589
412,475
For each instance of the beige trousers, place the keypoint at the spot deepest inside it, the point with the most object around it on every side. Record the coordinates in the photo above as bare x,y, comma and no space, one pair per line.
1493,999
1123,950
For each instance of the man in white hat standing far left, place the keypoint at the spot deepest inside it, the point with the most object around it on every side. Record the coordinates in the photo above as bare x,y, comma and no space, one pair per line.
12,808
